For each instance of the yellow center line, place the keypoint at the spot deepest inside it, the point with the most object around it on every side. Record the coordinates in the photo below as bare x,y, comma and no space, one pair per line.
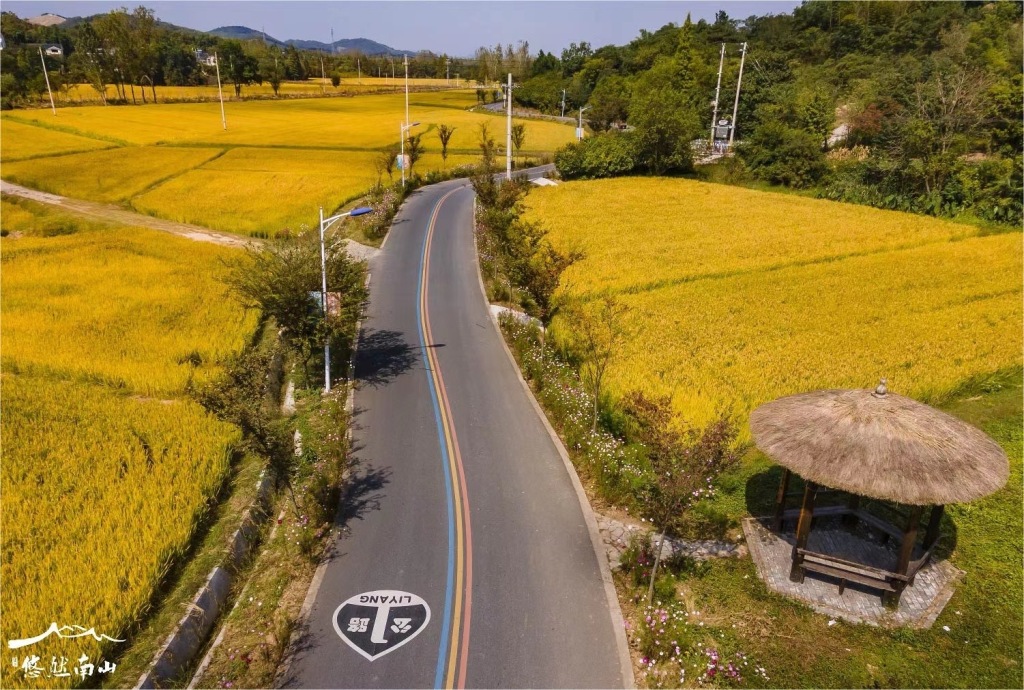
451,442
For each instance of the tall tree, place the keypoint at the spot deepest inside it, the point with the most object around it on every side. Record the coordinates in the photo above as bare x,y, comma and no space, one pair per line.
444,133
241,68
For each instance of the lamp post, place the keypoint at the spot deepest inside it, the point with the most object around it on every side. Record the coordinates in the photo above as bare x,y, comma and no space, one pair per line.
508,133
324,224
579,132
403,130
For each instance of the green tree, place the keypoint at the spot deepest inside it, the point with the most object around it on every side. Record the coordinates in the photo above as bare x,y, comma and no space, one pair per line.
518,136
817,116
609,102
664,122
683,462
444,133
414,149
277,278
241,68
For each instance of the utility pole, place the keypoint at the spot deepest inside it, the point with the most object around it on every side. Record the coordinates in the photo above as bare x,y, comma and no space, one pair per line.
47,75
323,73
736,104
563,102
223,119
407,89
718,90
447,76
508,133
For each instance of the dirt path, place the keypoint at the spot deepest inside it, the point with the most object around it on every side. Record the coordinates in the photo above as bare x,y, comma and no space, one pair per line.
120,215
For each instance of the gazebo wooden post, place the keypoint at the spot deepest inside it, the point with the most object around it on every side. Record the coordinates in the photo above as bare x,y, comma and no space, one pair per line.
803,529
906,552
780,501
931,535
853,505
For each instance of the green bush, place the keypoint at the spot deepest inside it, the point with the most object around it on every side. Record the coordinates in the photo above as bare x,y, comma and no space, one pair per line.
784,155
604,155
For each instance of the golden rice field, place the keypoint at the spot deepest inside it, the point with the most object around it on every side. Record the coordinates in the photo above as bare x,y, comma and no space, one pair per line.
251,190
356,123
736,297
275,165
109,175
107,465
84,93
26,141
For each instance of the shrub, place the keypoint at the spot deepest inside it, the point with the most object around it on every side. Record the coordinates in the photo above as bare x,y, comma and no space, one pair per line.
784,155
604,155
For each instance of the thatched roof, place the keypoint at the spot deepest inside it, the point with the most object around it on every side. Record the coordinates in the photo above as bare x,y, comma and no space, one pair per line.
882,446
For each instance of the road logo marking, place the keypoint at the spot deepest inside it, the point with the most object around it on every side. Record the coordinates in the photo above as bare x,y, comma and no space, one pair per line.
378,622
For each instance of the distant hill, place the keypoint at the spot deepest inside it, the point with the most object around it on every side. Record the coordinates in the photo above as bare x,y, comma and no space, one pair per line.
243,33
343,45
47,19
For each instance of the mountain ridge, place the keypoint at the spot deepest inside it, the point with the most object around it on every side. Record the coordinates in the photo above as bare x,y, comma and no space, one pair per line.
364,45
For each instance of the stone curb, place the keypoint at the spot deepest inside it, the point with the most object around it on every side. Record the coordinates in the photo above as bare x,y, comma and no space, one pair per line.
618,622
188,636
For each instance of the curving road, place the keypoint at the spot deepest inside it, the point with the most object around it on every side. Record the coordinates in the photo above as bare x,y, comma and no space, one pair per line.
459,498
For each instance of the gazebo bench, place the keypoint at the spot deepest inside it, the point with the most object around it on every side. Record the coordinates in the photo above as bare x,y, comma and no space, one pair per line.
847,572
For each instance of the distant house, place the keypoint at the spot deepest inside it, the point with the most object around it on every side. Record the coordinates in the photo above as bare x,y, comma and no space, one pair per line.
54,50
204,58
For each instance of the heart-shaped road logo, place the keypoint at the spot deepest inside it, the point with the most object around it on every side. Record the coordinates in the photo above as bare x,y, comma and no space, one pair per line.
378,622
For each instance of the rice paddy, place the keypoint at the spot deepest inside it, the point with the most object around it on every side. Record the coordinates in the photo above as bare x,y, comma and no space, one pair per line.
21,141
350,85
112,175
292,186
737,297
176,161
107,465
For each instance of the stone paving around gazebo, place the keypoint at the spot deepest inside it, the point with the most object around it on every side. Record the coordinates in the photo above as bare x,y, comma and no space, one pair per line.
919,606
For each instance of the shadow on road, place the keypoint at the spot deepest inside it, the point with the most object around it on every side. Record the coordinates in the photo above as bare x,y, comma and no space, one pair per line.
363,492
383,355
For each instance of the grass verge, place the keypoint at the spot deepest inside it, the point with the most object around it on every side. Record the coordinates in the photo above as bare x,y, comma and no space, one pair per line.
716,624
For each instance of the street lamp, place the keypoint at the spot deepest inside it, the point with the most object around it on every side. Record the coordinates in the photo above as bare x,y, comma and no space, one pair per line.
579,132
324,224
401,161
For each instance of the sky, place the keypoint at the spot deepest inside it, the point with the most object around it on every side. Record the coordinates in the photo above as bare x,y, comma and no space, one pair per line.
455,28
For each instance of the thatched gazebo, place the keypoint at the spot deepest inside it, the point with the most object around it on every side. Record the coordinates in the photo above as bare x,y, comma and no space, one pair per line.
878,445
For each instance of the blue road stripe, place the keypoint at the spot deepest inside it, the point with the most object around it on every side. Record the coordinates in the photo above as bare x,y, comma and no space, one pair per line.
450,585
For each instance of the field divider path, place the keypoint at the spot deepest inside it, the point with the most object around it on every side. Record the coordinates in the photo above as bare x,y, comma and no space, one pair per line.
110,212
176,174
56,127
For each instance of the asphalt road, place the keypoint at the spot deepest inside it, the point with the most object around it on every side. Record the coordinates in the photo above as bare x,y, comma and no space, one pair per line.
459,497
